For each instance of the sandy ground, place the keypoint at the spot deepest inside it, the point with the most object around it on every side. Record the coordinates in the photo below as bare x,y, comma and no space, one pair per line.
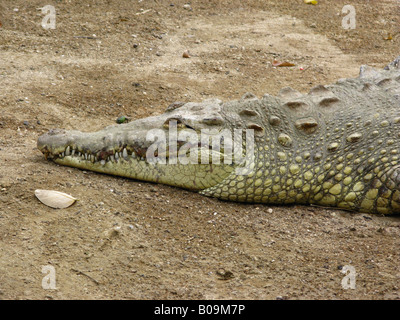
128,239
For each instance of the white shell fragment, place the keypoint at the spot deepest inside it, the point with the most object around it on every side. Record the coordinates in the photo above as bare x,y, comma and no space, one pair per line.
54,199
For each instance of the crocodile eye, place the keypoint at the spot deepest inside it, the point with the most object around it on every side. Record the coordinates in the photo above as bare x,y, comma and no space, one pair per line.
171,122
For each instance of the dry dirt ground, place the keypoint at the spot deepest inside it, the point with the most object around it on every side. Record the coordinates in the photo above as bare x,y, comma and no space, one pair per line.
128,239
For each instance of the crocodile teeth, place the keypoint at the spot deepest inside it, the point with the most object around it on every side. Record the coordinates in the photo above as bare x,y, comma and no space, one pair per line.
116,156
103,162
68,151
73,152
125,153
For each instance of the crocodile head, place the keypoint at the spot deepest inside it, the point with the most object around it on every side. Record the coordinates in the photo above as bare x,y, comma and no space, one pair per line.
189,146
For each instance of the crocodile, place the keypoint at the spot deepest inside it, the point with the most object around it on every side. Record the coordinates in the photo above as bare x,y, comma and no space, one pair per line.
336,146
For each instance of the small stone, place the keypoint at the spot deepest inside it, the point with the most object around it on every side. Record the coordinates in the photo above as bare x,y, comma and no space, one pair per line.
381,230
114,232
225,274
186,54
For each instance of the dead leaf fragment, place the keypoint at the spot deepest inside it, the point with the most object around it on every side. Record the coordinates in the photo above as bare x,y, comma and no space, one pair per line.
282,64
314,2
54,199
389,37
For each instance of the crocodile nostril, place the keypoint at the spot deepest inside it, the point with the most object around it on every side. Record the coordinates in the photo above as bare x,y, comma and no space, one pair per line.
174,105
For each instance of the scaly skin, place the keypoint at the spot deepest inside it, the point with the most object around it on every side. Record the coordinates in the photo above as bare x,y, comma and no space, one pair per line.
337,146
